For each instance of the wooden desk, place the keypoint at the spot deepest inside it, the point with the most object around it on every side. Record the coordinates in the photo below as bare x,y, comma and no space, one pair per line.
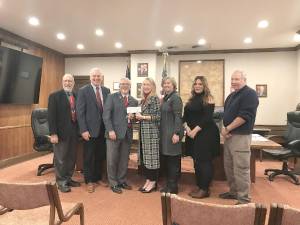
257,144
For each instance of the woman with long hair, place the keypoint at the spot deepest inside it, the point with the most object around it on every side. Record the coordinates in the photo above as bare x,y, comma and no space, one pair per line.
149,135
202,135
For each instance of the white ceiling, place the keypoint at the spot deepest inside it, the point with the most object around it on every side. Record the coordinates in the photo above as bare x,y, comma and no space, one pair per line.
139,23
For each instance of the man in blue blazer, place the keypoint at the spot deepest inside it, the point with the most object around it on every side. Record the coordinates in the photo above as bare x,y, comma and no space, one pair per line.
91,99
119,135
63,133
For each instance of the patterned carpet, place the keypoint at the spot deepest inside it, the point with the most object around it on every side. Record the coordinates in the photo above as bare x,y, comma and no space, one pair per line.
103,207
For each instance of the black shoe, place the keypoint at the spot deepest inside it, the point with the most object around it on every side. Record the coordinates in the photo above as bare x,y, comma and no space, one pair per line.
73,183
64,188
116,189
227,195
241,203
164,189
141,188
125,186
154,188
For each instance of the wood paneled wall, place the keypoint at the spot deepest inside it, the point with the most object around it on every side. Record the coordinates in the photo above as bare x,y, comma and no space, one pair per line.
16,137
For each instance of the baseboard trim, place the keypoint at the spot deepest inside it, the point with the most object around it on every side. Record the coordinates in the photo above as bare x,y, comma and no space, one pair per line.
18,159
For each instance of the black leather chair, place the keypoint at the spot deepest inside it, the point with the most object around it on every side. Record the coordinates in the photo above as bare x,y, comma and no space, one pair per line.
40,129
218,117
291,148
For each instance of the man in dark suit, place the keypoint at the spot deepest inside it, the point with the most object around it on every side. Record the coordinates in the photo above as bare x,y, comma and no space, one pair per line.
91,99
63,130
119,135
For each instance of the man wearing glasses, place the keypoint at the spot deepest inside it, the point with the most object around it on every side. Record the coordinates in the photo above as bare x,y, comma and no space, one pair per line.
118,135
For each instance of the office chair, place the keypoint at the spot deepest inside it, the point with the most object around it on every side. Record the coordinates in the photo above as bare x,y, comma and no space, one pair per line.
291,148
180,211
218,117
40,129
38,203
281,214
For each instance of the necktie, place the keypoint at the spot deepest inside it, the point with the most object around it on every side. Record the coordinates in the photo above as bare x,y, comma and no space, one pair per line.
72,106
98,98
125,99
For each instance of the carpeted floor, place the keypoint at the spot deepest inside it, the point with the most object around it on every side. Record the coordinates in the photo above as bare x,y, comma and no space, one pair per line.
103,207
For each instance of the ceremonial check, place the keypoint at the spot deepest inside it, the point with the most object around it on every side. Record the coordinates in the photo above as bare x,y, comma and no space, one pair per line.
134,109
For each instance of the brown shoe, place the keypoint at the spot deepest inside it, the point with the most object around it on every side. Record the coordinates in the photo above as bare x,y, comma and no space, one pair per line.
194,191
200,194
90,188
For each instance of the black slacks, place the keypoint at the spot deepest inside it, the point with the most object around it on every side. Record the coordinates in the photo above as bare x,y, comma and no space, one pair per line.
204,173
173,167
94,155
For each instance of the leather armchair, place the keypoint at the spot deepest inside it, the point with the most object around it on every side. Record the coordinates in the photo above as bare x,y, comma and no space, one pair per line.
40,129
291,148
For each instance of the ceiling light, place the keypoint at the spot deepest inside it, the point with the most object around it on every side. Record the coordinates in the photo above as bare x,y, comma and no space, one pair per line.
297,37
61,36
80,46
178,28
158,43
202,41
263,24
33,21
118,45
248,40
199,61
99,32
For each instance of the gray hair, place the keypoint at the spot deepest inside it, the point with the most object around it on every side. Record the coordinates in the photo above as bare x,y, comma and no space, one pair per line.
243,75
172,80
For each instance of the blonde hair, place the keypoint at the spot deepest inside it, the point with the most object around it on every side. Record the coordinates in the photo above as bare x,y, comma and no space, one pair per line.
172,80
153,89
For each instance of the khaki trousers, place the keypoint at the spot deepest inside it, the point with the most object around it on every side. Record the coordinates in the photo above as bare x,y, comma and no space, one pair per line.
237,165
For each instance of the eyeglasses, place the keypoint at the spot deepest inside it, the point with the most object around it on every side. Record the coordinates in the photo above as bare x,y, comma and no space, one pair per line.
124,84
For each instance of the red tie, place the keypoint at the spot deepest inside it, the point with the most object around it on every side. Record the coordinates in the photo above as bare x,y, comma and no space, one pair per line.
72,106
99,101
125,99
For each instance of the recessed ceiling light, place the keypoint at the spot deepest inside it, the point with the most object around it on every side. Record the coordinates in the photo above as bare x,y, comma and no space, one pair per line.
61,36
80,46
202,41
297,37
158,43
99,32
178,28
263,24
118,45
33,21
248,40
199,61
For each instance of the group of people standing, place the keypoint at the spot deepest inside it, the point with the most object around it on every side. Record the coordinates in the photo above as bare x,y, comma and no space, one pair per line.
105,126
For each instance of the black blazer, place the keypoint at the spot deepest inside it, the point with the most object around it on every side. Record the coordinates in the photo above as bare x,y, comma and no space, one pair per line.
59,115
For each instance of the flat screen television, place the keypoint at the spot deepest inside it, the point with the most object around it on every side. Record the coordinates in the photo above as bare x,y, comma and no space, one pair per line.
20,77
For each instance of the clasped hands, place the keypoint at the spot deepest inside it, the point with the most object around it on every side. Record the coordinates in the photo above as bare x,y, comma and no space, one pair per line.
192,132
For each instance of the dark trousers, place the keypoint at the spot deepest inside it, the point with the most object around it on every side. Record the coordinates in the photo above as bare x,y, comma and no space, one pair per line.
64,159
94,155
204,173
173,166
151,174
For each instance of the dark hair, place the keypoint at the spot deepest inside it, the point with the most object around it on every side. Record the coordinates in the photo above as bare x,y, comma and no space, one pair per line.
206,92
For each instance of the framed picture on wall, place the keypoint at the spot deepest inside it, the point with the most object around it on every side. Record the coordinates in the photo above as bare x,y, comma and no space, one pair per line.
142,69
262,90
139,90
116,86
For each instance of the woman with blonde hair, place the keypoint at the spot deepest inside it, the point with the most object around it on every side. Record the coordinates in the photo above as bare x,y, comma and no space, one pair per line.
171,132
149,135
203,137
